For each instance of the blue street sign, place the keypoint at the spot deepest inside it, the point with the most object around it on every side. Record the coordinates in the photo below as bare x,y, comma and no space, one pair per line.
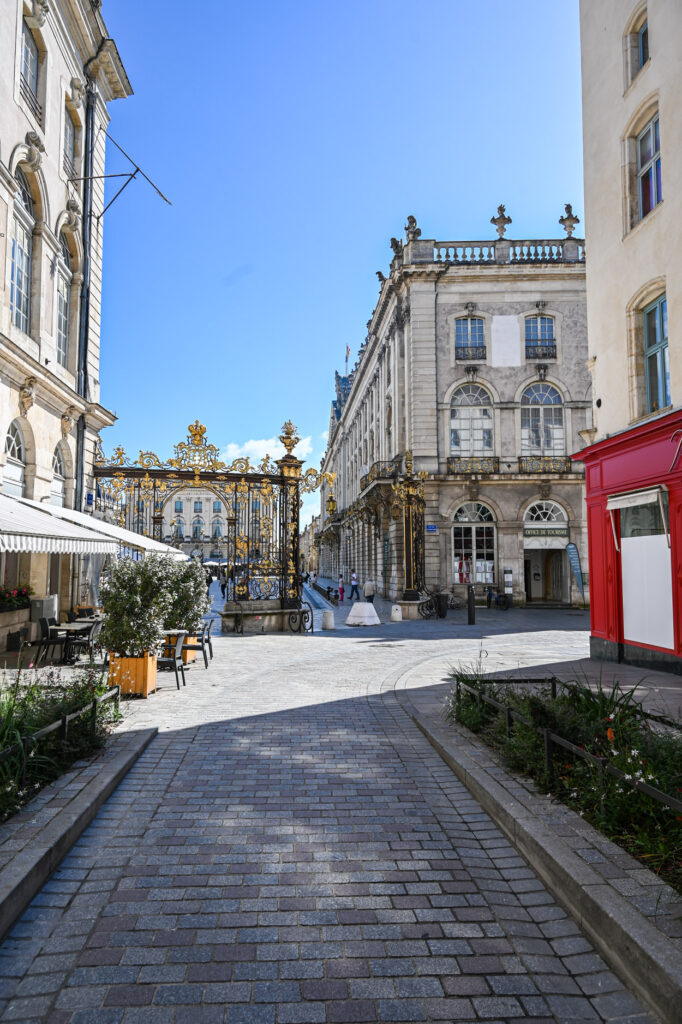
431,528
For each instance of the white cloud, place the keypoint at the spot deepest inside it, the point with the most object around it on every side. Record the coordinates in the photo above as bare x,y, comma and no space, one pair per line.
309,508
258,449
325,436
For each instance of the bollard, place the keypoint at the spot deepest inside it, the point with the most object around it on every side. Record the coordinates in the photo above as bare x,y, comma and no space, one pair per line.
471,605
396,613
328,619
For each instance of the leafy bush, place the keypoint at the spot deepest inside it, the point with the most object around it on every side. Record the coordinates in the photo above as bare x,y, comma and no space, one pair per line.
15,597
189,600
136,599
31,700
608,724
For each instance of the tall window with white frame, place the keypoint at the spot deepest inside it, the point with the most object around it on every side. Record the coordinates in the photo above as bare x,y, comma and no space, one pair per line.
22,255
69,161
471,422
473,544
30,68
542,421
540,340
656,360
14,476
469,338
650,188
63,301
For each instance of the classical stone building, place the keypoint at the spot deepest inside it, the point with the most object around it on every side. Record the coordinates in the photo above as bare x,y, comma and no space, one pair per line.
632,82
308,552
58,71
198,521
470,387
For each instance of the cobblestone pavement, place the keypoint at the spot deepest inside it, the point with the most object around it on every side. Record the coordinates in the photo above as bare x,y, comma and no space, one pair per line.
290,849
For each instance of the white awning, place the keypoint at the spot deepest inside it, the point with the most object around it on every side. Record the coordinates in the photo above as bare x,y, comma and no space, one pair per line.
32,527
634,498
121,537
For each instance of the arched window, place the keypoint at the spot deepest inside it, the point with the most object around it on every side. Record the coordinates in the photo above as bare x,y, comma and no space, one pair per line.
180,527
216,529
542,421
197,528
469,338
22,254
58,478
63,301
549,513
471,421
473,544
540,339
14,477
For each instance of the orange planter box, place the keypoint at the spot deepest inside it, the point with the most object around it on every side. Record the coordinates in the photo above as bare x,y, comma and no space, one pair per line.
187,656
133,675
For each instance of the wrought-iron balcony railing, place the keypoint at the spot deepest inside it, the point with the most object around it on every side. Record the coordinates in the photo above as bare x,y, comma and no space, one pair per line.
30,99
380,471
69,166
469,352
474,464
540,350
545,464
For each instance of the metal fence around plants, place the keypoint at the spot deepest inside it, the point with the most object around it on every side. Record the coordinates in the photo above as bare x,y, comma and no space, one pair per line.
552,740
25,743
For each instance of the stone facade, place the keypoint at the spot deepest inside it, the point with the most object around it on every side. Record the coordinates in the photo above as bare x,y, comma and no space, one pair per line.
195,519
59,71
308,552
634,239
475,363
632,80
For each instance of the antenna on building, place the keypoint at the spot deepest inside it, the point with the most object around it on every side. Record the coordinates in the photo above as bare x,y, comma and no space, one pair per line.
128,175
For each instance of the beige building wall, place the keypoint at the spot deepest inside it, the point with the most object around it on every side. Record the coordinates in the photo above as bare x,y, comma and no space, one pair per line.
632,260
39,391
399,396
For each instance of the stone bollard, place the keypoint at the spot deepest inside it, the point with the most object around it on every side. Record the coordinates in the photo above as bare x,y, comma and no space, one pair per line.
328,619
396,613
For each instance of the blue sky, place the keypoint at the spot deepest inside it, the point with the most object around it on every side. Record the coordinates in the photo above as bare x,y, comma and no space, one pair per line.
293,139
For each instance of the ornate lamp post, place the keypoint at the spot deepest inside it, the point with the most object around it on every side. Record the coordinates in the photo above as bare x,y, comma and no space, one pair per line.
408,501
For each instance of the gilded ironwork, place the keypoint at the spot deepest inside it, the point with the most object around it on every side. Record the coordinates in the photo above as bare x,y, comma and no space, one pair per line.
545,464
474,464
261,505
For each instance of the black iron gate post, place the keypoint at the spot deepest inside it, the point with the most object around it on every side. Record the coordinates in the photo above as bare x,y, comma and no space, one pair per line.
290,469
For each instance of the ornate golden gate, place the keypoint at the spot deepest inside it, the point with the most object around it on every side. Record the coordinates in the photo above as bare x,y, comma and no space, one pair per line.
261,504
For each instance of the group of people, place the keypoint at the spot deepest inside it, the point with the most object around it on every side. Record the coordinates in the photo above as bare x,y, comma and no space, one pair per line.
368,589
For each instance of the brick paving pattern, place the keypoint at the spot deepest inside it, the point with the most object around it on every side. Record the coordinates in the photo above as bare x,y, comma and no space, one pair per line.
290,849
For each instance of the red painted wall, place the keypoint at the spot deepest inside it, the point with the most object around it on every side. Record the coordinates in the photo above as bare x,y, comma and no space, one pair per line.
646,456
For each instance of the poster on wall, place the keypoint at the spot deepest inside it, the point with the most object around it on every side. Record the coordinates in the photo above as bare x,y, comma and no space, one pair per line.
574,561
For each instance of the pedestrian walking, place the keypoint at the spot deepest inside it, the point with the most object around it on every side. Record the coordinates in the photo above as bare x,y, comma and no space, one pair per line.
354,585
209,581
223,583
369,590
341,589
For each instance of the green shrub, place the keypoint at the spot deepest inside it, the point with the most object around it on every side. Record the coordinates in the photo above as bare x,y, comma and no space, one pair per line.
607,723
188,598
136,600
30,700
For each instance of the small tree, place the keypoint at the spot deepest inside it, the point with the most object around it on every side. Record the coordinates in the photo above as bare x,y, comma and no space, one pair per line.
189,600
136,597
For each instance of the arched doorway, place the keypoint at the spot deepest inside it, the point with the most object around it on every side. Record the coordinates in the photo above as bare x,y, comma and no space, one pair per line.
545,565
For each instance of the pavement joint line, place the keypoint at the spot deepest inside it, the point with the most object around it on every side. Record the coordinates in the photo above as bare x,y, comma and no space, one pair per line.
25,874
634,948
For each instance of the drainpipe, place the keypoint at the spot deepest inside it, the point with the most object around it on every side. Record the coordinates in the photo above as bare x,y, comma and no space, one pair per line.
84,319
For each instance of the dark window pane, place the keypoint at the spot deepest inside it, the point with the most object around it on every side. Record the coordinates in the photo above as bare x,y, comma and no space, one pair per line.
659,186
645,197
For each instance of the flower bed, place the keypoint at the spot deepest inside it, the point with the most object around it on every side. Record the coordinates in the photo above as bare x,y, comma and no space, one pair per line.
14,598
597,751
32,699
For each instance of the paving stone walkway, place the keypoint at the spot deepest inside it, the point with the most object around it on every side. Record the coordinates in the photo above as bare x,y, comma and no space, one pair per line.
290,849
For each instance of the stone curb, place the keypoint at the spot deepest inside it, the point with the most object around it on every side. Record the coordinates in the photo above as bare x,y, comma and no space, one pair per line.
26,873
632,947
